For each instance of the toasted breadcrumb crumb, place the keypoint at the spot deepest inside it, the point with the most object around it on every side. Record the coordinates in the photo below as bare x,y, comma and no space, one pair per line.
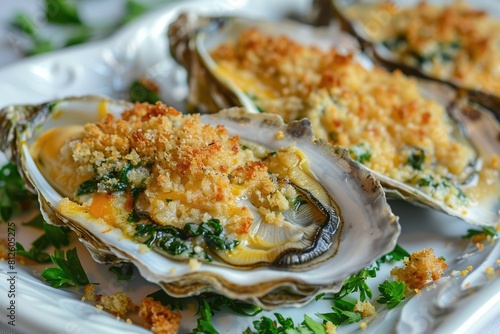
479,246
89,292
159,318
3,250
418,291
194,264
280,135
490,272
421,268
363,325
366,309
117,303
330,328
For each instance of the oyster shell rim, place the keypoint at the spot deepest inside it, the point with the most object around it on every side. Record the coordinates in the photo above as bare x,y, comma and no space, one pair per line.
110,254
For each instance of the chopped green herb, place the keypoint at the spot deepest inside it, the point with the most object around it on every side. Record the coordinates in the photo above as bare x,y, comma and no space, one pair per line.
343,312
141,91
87,187
123,272
357,283
426,181
397,254
13,192
361,153
79,35
298,202
416,158
176,242
488,230
35,253
61,12
391,293
36,222
69,271
205,320
134,9
56,235
217,302
162,297
23,23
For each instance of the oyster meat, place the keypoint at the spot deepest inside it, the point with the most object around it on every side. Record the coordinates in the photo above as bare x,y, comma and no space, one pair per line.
236,203
457,43
416,136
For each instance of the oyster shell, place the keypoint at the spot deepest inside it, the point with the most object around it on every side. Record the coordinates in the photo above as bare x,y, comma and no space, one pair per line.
459,45
338,203
417,137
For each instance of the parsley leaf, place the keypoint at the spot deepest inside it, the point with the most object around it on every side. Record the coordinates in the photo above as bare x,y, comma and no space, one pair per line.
69,271
217,302
416,158
123,272
397,254
35,253
361,153
343,311
61,12
56,235
162,297
13,192
391,293
205,320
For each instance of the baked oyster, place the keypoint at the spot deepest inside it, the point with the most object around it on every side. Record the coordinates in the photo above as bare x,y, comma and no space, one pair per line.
235,203
453,42
424,143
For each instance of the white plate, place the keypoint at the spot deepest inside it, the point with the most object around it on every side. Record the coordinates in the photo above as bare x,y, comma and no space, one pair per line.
107,67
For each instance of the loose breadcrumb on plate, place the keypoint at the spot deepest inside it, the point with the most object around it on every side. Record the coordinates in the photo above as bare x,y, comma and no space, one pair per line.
421,268
158,317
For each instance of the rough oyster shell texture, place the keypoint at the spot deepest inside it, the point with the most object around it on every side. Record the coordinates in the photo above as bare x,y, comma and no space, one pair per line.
369,229
478,22
192,39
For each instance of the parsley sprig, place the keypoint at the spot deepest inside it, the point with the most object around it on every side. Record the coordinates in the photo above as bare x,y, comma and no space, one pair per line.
69,271
343,309
266,325
65,13
56,236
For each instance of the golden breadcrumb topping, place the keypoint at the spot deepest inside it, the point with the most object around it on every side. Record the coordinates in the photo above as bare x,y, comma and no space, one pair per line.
452,42
159,318
191,172
382,117
421,268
